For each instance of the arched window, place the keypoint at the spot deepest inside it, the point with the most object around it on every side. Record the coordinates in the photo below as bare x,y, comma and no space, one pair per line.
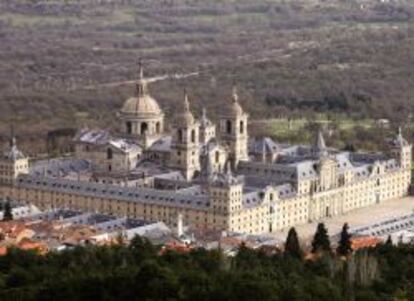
217,157
144,128
228,127
180,135
158,127
129,127
241,127
193,139
109,154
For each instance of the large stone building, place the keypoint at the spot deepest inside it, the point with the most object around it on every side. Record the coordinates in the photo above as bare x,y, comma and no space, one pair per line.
203,176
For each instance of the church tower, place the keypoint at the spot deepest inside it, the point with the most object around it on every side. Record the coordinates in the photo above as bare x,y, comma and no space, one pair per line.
185,153
233,130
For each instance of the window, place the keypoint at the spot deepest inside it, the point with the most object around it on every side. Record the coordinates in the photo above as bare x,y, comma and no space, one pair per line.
241,127
129,127
158,127
180,135
228,127
193,136
144,128
217,157
109,154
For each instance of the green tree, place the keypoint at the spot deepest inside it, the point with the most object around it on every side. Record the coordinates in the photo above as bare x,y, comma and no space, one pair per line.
292,246
7,213
142,248
389,241
344,244
321,242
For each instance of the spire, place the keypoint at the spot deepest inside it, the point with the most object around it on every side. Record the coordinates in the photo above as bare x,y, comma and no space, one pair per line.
320,146
400,141
204,114
320,143
235,95
186,102
264,150
185,117
400,136
12,137
141,85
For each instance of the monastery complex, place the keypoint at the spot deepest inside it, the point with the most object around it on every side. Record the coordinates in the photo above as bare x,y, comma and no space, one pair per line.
205,175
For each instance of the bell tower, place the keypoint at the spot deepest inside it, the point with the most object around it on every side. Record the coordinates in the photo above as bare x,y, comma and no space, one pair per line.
185,154
233,130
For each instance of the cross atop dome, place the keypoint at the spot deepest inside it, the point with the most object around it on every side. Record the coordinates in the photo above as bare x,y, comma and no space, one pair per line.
235,95
141,86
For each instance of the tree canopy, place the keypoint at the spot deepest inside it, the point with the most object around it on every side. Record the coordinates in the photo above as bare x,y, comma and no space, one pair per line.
119,273
344,244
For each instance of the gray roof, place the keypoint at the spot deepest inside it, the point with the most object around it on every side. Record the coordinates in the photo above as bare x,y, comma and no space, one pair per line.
286,191
59,167
162,145
92,189
305,169
124,145
265,144
97,137
252,199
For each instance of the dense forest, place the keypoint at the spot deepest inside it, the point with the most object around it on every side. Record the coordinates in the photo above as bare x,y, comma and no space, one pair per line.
66,64
140,272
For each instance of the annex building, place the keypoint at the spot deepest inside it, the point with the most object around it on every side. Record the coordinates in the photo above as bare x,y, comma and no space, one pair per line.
203,174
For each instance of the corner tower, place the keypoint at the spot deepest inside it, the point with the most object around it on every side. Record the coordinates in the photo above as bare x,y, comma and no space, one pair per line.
13,163
401,150
226,195
233,130
185,153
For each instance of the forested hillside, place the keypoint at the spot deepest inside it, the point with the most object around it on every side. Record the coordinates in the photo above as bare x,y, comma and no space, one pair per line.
63,64
138,273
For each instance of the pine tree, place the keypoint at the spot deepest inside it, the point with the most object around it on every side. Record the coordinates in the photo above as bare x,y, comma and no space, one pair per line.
292,247
7,213
389,241
321,240
344,244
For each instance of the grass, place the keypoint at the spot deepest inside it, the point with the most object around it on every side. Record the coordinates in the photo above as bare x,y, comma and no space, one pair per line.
22,20
281,126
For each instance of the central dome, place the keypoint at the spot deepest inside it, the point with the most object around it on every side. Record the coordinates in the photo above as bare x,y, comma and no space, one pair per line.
141,116
141,105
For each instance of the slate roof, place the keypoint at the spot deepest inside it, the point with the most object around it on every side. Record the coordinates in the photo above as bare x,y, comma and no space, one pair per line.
140,195
98,137
162,145
265,144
